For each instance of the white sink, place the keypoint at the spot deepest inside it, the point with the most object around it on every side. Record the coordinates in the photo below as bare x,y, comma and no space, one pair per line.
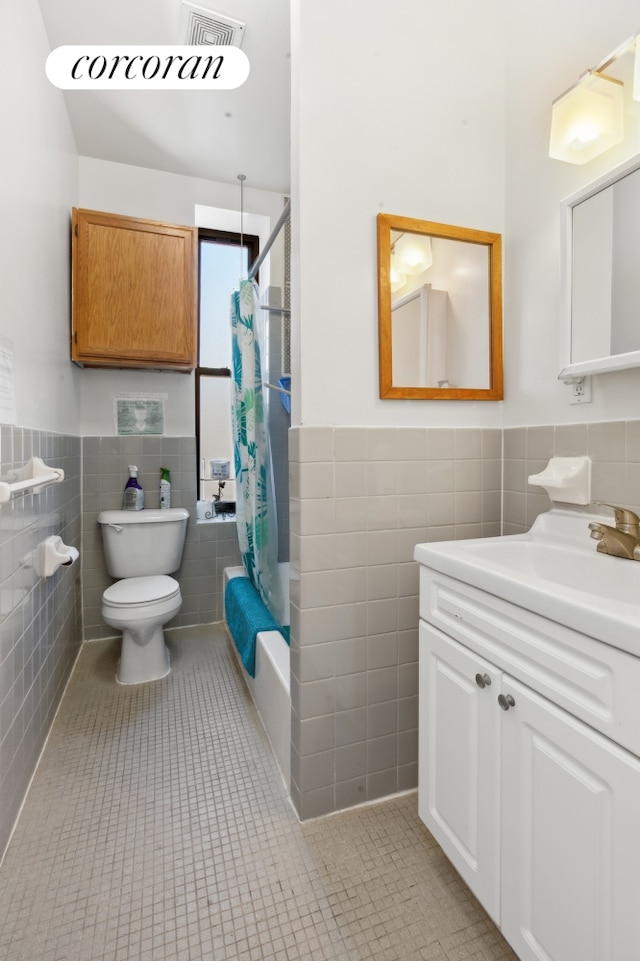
553,570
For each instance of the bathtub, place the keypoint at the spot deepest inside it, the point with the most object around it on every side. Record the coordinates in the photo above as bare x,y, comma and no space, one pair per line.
269,688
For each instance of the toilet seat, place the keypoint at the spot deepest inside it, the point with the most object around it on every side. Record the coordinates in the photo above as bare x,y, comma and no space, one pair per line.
136,591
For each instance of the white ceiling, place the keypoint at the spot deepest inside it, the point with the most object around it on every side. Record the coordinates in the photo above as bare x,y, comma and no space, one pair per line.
215,135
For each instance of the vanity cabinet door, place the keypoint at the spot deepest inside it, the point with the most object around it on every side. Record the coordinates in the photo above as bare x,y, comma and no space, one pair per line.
459,761
571,844
134,300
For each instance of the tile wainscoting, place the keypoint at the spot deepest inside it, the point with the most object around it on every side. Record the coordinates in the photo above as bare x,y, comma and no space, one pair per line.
39,617
614,449
361,498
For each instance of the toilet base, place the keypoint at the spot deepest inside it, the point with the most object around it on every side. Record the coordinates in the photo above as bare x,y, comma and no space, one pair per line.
144,656
140,663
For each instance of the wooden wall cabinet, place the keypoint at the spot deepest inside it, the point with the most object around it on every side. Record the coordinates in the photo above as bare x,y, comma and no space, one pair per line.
135,292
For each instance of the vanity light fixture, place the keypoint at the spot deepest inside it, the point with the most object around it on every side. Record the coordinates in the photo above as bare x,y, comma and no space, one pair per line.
413,253
635,91
587,119
396,278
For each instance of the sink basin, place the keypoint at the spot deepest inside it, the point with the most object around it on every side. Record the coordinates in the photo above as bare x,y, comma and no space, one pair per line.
559,567
553,570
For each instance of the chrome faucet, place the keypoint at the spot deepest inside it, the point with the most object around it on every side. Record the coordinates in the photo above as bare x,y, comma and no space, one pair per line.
623,540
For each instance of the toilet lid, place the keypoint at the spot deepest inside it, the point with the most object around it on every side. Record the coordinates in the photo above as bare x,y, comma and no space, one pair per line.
133,591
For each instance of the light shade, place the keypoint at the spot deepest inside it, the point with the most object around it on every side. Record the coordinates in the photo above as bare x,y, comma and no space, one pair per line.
587,119
413,253
636,71
396,279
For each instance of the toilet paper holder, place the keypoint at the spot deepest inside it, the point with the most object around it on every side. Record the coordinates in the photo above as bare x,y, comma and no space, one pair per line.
50,554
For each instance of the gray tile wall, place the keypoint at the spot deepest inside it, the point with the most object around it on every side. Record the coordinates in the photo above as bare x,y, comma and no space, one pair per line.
209,547
361,498
39,617
614,448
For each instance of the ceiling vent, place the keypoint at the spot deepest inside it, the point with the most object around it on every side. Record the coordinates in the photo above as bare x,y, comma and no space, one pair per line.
199,25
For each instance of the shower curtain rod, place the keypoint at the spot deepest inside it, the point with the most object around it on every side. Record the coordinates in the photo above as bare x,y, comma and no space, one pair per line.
281,390
255,266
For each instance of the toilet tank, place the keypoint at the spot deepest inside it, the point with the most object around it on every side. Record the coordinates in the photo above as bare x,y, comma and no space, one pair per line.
138,543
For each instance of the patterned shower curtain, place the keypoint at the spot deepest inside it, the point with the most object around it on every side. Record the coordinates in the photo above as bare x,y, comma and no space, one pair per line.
255,497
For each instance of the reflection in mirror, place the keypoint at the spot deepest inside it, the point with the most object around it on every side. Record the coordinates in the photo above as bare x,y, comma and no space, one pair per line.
440,311
602,281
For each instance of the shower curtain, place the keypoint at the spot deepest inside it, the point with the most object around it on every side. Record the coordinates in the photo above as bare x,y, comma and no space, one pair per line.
255,496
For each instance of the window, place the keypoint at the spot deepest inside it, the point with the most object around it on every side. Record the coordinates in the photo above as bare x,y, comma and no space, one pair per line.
223,260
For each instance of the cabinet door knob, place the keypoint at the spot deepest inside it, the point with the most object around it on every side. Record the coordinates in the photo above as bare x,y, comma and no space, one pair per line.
483,680
506,701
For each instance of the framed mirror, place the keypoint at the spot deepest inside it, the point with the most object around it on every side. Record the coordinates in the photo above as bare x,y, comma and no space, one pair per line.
439,311
601,280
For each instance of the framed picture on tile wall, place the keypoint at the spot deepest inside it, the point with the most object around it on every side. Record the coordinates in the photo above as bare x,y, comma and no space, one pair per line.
139,414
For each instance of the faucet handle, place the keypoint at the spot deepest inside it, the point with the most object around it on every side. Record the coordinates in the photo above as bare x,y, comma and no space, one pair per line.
626,520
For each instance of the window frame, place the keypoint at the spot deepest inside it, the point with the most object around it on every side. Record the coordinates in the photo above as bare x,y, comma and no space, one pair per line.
230,239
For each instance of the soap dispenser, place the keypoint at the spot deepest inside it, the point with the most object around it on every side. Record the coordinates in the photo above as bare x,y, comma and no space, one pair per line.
133,498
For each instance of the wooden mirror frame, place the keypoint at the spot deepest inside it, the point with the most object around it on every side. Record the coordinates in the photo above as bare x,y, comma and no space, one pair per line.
389,222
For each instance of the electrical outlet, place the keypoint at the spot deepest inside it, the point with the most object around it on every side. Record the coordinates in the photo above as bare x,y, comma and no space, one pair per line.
581,391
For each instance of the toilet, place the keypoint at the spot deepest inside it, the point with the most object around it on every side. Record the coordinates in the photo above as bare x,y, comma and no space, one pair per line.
142,548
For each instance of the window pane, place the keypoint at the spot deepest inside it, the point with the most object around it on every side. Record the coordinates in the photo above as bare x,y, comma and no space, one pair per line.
221,267
215,433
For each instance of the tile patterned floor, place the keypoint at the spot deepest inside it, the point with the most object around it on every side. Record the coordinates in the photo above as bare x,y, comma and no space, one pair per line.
157,828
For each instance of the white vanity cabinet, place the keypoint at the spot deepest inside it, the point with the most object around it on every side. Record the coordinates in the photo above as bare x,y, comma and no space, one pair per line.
459,761
521,780
570,836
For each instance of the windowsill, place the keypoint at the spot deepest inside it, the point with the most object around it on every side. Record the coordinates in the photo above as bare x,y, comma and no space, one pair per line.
218,519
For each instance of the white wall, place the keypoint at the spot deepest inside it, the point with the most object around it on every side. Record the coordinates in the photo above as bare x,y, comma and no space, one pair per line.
442,112
397,108
364,122
154,195
38,187
549,46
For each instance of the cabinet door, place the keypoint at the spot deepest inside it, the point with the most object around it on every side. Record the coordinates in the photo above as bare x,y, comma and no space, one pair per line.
459,761
571,844
134,292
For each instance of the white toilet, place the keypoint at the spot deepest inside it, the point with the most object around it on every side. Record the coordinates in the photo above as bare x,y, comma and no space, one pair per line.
142,548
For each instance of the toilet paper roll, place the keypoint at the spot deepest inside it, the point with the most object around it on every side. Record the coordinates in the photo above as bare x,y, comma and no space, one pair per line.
72,554
54,553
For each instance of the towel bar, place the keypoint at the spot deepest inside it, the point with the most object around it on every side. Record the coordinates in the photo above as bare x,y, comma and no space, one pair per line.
35,475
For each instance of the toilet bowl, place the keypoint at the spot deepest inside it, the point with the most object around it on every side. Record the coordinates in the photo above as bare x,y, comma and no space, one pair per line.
140,607
142,548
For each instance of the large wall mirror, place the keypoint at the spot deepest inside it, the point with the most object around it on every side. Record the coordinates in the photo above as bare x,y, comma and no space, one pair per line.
601,275
439,311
